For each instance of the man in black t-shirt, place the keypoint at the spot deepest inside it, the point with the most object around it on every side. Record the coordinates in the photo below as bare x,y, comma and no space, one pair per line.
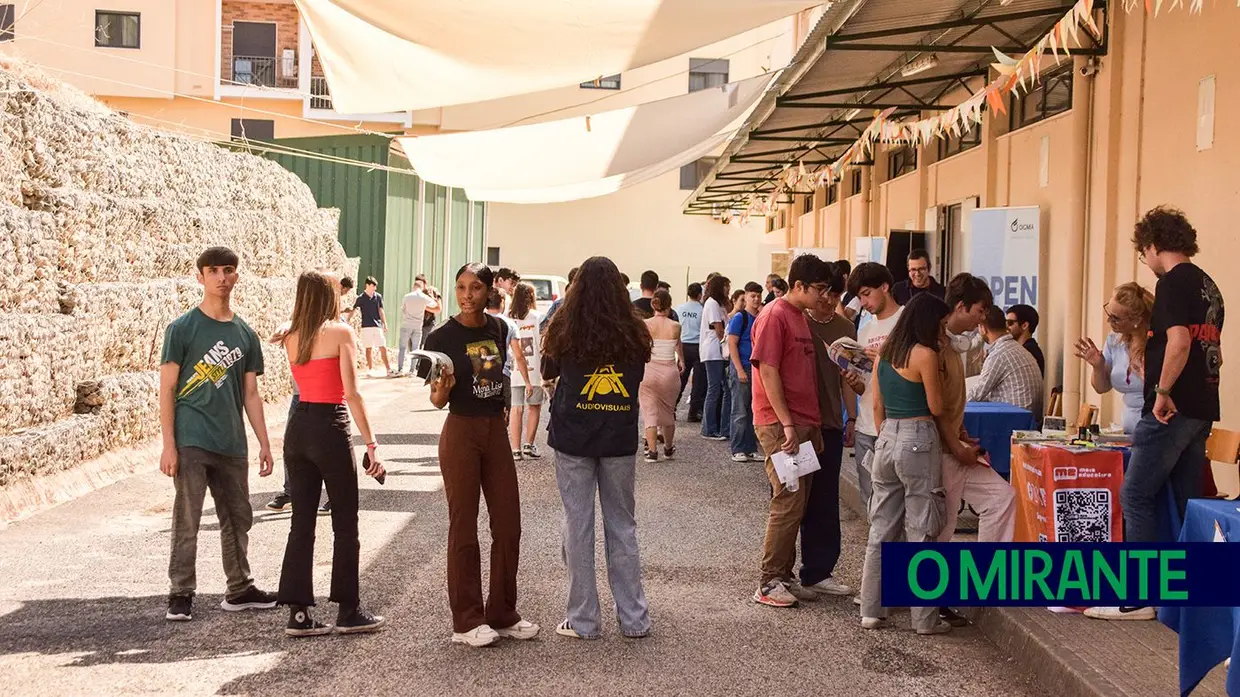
919,279
650,283
1182,361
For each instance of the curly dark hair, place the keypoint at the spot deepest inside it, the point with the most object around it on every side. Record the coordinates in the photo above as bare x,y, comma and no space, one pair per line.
1167,230
597,323
717,287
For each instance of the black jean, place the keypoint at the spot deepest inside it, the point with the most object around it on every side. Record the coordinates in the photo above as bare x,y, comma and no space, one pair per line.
820,527
693,366
318,452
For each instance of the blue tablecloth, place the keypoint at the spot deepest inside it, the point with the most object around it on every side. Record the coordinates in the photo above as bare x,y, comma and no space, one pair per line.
1207,634
992,423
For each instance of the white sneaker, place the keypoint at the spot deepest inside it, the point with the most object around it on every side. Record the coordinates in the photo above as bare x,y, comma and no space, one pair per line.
479,636
520,631
830,586
873,622
757,457
740,457
856,600
1121,613
801,592
940,628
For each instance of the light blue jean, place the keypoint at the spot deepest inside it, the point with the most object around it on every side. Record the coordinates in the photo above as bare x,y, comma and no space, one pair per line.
744,440
718,409
614,480
411,340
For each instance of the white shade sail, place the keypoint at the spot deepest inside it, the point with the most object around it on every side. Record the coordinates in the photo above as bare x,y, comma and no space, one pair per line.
583,148
600,187
395,55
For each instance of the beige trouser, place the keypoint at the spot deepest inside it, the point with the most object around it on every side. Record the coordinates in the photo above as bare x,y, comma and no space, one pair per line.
989,494
783,523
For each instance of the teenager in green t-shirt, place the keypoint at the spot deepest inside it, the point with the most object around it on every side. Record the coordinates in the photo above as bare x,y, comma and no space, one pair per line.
208,374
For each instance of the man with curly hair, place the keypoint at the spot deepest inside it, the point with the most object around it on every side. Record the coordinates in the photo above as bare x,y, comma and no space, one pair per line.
1182,361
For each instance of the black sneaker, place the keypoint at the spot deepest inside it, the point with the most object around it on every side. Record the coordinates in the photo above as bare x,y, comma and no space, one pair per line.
358,621
301,624
280,502
952,617
669,452
652,456
251,599
180,608
326,508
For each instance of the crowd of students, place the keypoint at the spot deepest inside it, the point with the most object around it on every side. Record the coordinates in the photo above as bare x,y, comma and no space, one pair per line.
601,361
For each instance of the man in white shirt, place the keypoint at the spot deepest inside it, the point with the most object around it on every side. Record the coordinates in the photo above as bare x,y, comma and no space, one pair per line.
690,313
871,283
413,309
1010,373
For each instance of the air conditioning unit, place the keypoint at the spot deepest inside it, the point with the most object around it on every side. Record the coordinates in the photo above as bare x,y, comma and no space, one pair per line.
288,62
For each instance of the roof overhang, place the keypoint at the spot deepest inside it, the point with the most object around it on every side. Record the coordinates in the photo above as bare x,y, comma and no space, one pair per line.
864,56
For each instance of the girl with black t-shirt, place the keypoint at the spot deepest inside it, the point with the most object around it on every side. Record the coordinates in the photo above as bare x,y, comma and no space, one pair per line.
597,347
474,459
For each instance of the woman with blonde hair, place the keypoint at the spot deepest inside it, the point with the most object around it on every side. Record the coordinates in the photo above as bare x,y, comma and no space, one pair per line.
318,451
660,387
1120,364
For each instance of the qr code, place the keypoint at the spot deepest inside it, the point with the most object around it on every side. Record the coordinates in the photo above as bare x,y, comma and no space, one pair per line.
1083,515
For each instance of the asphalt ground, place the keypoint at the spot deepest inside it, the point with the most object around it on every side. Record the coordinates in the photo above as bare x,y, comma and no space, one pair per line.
83,592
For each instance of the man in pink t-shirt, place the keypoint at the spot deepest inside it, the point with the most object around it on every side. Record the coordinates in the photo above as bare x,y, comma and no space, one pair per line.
786,414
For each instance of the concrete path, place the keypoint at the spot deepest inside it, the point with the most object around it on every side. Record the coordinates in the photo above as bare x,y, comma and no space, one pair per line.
82,596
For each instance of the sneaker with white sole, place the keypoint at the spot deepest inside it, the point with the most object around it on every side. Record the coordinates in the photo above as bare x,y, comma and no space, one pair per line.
251,599
856,600
830,586
301,624
521,631
801,592
740,457
479,636
180,608
566,629
873,622
940,628
1121,613
757,457
531,451
774,594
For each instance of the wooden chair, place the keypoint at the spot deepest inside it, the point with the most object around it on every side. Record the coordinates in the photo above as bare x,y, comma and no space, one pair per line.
1223,451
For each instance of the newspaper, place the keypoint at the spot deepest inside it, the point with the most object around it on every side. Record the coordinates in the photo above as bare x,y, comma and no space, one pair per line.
790,468
440,364
847,353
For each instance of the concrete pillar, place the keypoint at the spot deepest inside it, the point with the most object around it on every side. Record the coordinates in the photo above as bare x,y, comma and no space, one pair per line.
1060,348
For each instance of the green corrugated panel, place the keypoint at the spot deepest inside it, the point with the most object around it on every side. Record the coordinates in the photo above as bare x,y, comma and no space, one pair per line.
400,251
434,236
360,194
458,235
478,248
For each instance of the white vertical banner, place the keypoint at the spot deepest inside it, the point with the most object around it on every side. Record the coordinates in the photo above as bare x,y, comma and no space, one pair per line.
1006,250
869,249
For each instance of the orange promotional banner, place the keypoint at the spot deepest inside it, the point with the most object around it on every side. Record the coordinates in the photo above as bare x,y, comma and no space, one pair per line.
1067,494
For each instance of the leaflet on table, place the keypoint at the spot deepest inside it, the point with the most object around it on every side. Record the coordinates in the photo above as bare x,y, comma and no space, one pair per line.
440,364
847,353
790,468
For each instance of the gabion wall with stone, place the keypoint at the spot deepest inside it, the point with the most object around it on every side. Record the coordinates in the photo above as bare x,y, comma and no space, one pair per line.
101,220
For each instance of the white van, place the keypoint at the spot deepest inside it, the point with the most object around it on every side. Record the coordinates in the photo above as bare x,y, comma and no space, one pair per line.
547,289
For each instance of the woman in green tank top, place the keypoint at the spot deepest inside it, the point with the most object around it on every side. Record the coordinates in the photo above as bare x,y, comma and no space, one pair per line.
906,466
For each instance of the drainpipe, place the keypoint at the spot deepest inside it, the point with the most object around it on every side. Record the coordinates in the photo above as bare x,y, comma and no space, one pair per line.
1075,240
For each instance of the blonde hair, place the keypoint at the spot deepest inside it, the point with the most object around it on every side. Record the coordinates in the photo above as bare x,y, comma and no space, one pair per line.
1134,298
317,304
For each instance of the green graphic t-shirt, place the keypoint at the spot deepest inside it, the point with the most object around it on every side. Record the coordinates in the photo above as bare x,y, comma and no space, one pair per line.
214,358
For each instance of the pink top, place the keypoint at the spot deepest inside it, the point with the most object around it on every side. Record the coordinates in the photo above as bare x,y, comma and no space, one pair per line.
318,380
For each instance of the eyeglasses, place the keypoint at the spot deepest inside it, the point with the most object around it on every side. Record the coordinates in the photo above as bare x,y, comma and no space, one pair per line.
1110,317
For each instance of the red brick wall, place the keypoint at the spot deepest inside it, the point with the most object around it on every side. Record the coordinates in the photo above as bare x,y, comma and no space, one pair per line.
284,16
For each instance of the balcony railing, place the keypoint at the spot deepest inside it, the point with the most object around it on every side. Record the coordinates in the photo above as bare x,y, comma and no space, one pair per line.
320,95
261,71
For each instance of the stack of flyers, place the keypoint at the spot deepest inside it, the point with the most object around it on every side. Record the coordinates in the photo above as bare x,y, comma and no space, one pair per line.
849,354
440,364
